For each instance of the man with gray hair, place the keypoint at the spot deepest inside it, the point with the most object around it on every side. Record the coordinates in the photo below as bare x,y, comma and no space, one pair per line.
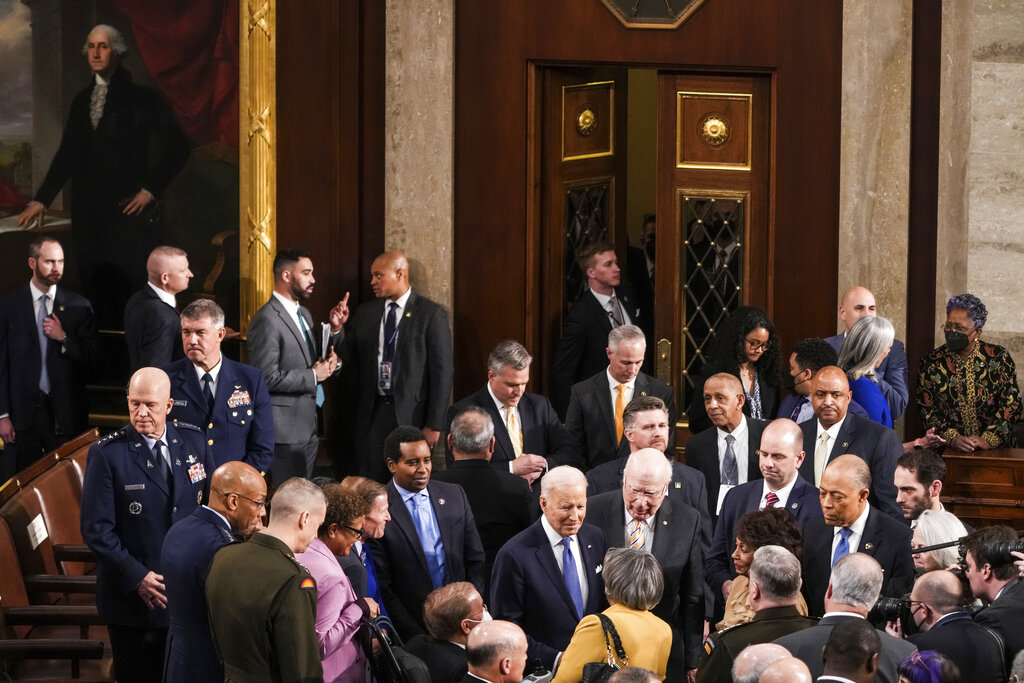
548,577
120,149
751,662
528,436
152,329
642,515
500,500
596,405
496,653
852,590
774,593
226,399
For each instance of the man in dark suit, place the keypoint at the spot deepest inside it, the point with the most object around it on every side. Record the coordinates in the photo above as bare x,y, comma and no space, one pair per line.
836,432
994,580
228,400
401,348
285,346
642,515
605,304
233,512
548,577
594,418
139,480
432,538
727,454
500,500
779,460
936,606
121,148
809,356
152,329
450,613
891,375
853,590
528,437
640,266
496,653
48,344
849,524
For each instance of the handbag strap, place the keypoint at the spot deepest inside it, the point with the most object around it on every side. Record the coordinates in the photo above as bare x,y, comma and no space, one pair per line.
609,630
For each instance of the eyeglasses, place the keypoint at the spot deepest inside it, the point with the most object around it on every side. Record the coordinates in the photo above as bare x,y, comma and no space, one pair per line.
257,503
756,345
635,494
358,532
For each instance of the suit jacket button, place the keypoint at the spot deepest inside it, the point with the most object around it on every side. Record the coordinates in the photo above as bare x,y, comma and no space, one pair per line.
211,426
243,421
210,442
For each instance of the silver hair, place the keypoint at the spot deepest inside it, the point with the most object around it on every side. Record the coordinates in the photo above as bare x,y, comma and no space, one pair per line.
509,354
625,333
856,580
653,462
472,431
1018,666
295,496
752,660
633,577
939,526
867,340
204,308
776,571
563,475
117,43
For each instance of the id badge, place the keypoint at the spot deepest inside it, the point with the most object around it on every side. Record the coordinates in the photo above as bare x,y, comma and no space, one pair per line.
384,376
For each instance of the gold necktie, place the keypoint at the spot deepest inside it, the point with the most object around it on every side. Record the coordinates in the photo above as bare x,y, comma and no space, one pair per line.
820,457
637,539
620,405
514,432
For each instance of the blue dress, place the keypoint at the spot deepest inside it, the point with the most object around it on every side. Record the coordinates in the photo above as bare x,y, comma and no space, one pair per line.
870,397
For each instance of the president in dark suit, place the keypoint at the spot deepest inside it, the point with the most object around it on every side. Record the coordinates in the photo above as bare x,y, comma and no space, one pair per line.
596,405
641,515
400,347
121,148
48,344
450,613
500,500
139,480
848,525
233,512
432,538
836,432
727,454
285,346
548,577
891,375
152,329
229,400
605,304
528,437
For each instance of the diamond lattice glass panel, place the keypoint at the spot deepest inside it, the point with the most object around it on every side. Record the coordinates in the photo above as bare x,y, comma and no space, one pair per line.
712,273
586,220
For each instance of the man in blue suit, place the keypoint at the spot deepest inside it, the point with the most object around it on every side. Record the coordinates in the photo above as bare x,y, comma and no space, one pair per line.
548,577
233,513
229,400
139,480
891,375
432,539
779,459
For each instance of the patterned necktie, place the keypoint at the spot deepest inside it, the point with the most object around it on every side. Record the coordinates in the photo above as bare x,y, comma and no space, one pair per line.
771,499
637,538
208,393
730,470
312,355
797,409
820,457
515,433
620,406
96,103
843,547
615,312
572,579
44,373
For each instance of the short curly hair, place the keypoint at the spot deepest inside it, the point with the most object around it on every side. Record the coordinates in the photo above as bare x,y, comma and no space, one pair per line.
970,304
343,507
770,526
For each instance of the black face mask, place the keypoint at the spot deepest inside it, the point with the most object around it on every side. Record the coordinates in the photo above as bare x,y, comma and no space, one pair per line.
789,381
956,341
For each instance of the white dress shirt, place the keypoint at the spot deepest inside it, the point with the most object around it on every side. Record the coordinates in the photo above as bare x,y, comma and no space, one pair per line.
555,540
401,301
782,493
164,296
503,411
604,300
36,293
833,434
613,388
214,374
646,524
292,307
739,448
857,529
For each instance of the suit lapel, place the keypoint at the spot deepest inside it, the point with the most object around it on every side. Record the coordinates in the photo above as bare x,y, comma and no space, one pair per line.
225,382
590,563
603,397
502,442
753,443
190,383
527,421
847,433
598,311
401,518
872,536
292,326
444,523
545,555
663,529
408,315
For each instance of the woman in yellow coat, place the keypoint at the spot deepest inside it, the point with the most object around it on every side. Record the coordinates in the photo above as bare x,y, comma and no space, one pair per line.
633,583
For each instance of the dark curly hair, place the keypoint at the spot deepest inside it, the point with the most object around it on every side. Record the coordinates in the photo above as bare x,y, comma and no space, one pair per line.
728,352
770,526
343,507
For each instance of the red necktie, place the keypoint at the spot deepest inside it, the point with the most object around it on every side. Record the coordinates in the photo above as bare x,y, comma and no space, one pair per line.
771,499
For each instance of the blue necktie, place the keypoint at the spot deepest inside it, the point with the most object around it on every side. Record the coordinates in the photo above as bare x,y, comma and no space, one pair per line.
843,548
390,329
430,539
572,579
44,374
313,357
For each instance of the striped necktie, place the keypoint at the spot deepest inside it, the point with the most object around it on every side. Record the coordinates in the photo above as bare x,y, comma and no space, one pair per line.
515,432
637,538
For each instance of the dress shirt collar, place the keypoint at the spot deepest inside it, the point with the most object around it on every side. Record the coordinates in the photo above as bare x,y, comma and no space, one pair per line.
739,432
554,538
782,493
402,301
406,495
833,432
222,517
602,299
214,373
100,80
497,404
613,383
36,292
292,307
857,527
842,614
164,295
150,441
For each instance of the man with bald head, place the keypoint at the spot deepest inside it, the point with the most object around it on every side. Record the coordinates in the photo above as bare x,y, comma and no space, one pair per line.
751,662
851,524
891,374
152,329
786,670
139,480
836,431
496,653
400,345
727,454
642,515
233,513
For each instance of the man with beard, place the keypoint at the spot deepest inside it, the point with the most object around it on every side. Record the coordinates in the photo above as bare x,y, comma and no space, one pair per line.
918,478
283,344
48,342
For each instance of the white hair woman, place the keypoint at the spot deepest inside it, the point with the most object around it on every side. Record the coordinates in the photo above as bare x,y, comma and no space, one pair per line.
866,346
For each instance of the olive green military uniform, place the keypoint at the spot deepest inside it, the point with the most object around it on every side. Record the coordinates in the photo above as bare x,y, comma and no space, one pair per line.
721,648
262,613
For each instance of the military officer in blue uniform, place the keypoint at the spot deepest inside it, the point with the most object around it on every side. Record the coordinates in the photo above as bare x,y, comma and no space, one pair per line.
140,480
227,399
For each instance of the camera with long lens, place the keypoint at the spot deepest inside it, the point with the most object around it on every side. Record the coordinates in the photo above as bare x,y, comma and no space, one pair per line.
1000,552
893,609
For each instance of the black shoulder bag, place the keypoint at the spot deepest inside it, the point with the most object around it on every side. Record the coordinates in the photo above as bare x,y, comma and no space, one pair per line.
600,672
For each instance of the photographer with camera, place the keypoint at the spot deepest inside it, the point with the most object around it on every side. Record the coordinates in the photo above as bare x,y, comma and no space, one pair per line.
994,579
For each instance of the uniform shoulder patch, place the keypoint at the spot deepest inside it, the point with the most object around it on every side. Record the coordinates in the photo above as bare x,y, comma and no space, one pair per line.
709,645
307,584
116,435
187,425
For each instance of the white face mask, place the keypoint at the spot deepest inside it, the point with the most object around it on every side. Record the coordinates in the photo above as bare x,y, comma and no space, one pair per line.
485,617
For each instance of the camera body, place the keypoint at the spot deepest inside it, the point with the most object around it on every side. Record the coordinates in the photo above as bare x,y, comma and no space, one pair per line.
893,609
